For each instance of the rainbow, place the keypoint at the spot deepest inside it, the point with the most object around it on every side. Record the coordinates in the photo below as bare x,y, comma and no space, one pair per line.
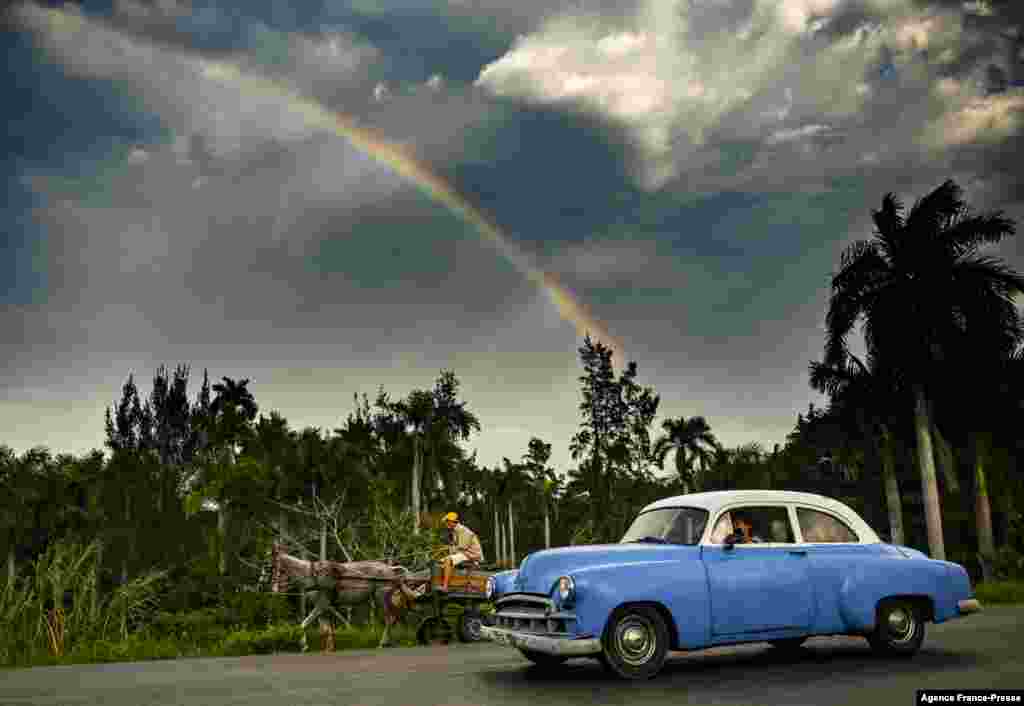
403,162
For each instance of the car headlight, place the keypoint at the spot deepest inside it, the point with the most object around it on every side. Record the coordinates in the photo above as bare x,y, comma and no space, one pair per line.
489,591
566,589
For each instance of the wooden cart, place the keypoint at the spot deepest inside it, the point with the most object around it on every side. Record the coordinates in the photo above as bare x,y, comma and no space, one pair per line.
459,611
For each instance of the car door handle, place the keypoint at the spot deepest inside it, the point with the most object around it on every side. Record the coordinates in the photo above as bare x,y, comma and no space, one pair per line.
798,552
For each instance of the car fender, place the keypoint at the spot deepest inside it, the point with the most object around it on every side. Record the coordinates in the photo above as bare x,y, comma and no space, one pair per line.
503,581
680,587
873,579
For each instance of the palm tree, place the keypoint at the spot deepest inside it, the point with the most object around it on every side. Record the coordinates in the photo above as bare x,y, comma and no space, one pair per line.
990,419
451,422
692,441
434,419
416,414
543,480
869,395
513,486
227,428
918,286
491,485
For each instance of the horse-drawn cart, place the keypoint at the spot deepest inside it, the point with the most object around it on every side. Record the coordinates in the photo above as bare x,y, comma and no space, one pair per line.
457,612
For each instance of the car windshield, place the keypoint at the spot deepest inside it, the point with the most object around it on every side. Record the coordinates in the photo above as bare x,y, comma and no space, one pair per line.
670,525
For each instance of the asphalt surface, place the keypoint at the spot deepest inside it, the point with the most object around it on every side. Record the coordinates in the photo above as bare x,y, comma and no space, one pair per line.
981,651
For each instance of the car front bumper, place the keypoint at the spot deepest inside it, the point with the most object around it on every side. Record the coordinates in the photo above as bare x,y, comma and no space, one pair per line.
563,647
966,607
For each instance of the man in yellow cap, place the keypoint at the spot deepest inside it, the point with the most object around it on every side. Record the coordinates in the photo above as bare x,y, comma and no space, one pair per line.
465,546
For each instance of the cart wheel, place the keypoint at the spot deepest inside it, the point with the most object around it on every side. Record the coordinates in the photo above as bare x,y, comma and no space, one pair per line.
469,626
434,631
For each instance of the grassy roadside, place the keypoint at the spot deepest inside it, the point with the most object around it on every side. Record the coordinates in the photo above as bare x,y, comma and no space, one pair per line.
55,615
996,592
146,645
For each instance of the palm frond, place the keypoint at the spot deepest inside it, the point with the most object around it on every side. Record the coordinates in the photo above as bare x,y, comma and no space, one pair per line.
828,379
889,223
863,271
970,231
994,274
935,211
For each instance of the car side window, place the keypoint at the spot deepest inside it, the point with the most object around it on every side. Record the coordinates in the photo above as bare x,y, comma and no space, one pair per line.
819,527
765,524
723,528
687,528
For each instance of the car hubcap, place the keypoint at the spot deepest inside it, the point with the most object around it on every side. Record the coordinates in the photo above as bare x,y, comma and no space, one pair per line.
635,640
901,625
473,628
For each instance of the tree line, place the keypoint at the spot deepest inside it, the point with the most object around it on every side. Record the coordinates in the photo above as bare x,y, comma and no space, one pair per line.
919,435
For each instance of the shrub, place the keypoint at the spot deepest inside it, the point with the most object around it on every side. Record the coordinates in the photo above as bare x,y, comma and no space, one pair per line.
1000,592
201,628
277,638
1008,564
254,609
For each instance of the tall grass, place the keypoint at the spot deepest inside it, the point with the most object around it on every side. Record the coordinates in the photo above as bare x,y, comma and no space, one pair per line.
40,628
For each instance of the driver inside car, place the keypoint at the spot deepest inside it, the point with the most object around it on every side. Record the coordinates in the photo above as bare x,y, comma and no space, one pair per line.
744,531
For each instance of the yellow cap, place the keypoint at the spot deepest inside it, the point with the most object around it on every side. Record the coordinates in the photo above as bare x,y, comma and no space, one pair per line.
451,517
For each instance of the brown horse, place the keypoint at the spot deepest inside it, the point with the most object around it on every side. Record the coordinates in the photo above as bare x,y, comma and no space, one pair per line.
394,589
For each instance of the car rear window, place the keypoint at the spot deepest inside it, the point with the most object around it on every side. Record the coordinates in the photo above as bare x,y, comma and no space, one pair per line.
819,527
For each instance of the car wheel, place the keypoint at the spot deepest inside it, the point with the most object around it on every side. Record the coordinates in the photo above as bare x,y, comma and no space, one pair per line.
635,643
789,644
469,626
899,628
543,659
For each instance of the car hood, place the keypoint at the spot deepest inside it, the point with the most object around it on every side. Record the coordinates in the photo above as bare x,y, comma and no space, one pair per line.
540,570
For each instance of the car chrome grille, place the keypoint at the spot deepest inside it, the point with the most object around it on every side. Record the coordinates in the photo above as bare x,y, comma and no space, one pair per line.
532,614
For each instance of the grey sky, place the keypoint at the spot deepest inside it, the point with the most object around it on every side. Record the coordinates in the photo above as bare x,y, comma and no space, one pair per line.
690,169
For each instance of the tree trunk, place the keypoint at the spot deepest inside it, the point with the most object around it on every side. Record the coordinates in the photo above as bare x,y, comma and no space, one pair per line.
982,508
499,555
11,569
416,469
892,492
323,540
222,538
131,535
511,537
681,472
547,524
946,459
596,497
929,483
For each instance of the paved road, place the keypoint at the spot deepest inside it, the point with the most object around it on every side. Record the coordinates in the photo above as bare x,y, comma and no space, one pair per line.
982,651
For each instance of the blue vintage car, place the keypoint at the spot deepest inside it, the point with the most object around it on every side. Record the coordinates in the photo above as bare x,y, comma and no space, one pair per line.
709,569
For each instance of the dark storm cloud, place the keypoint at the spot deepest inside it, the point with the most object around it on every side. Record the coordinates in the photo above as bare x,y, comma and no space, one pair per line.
691,169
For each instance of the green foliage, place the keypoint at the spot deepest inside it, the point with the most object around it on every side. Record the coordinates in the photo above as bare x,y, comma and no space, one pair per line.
1000,592
31,607
384,533
202,628
584,534
277,638
1008,564
257,609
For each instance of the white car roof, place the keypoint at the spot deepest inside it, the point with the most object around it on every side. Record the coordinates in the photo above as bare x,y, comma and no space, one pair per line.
715,500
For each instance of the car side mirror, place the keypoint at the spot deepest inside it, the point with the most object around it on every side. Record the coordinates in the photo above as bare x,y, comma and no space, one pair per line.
729,541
